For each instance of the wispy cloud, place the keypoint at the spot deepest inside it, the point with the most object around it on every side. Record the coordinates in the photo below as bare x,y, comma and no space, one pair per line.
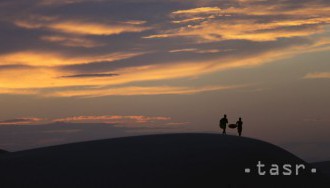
18,91
318,75
48,59
130,91
62,53
252,20
118,120
59,2
113,119
286,7
235,29
183,50
200,51
80,27
85,28
50,78
90,75
197,11
21,121
188,20
72,41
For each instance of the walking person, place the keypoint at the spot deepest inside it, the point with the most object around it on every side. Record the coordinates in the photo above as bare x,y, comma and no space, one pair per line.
239,124
223,123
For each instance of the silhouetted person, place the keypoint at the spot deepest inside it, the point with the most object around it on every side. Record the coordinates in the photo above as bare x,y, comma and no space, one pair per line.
223,123
239,124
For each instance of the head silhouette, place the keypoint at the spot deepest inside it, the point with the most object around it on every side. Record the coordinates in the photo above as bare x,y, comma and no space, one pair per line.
240,119
225,115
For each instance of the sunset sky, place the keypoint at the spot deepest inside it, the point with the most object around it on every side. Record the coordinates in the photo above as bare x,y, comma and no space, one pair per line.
74,70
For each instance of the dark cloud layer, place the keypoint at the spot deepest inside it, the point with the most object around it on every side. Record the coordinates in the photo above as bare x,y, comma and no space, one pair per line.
227,49
10,67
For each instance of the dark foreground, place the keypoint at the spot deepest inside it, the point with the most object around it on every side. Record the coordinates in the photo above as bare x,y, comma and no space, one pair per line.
2,151
323,166
174,160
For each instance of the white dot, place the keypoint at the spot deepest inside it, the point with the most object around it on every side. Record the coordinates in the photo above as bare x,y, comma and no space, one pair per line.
313,170
247,170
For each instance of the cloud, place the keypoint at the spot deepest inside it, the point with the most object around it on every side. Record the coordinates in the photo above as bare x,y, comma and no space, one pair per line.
82,128
197,11
183,50
281,7
233,29
129,91
79,27
195,19
183,66
13,67
33,58
63,87
38,70
20,121
178,123
72,41
318,75
48,59
73,50
120,120
251,20
142,122
60,2
113,119
89,75
201,51
18,91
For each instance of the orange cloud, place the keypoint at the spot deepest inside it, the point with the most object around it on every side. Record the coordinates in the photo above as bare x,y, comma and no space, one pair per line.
21,121
218,30
195,19
311,8
200,51
42,71
79,27
33,58
114,119
201,10
34,81
318,75
309,19
18,91
119,120
204,24
195,15
183,50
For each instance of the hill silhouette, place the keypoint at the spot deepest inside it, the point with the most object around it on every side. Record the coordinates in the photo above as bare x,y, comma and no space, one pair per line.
170,160
3,151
